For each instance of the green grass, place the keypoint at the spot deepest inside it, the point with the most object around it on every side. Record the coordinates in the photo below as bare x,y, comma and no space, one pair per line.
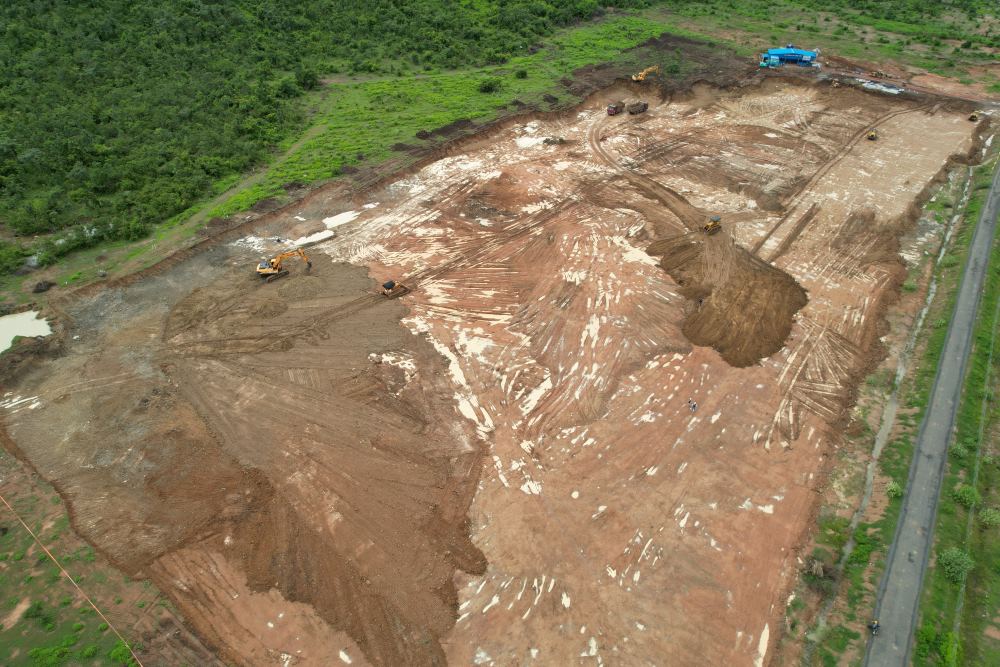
361,121
937,644
57,627
917,39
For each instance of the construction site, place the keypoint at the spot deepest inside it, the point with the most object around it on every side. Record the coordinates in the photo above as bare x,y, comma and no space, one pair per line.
564,393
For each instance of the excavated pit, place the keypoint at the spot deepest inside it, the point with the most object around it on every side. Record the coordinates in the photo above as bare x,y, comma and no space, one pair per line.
741,306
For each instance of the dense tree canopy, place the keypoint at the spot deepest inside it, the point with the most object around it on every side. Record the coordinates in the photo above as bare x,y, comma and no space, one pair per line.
115,115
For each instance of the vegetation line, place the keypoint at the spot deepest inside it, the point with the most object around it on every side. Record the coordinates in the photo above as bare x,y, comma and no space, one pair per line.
72,581
957,601
888,419
979,456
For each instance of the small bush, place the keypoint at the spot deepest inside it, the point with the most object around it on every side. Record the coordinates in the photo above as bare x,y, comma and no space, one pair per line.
11,256
894,490
965,496
521,74
990,517
38,612
490,85
955,564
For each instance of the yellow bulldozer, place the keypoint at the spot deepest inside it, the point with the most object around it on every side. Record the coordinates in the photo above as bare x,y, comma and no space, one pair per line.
872,134
641,76
270,270
393,290
713,226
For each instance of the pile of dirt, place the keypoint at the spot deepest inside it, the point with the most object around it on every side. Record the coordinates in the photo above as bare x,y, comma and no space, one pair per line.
702,62
740,305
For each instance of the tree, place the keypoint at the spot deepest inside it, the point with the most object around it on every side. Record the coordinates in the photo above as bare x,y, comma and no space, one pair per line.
955,564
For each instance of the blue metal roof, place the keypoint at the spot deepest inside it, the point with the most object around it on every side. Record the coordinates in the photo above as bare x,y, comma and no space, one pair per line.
791,52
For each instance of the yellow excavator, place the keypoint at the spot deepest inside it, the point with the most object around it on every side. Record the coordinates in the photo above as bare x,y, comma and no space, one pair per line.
872,134
641,76
713,226
270,270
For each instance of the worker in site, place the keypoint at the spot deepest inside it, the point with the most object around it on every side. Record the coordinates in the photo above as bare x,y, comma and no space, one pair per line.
874,627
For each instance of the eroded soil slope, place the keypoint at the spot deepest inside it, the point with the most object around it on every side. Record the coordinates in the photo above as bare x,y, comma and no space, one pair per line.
243,442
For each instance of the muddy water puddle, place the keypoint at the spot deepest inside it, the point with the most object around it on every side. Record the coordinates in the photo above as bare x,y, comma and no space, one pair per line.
28,323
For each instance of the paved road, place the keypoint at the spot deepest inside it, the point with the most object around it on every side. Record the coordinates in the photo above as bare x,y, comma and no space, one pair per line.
899,592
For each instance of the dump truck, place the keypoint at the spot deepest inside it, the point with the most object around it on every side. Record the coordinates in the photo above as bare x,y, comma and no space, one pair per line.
637,107
616,108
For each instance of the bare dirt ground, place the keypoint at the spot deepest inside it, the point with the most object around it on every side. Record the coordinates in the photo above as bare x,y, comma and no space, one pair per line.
559,446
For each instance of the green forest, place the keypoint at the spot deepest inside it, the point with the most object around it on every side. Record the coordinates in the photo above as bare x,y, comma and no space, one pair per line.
116,115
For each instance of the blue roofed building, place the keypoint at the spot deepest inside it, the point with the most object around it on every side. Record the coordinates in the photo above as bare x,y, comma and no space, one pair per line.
788,55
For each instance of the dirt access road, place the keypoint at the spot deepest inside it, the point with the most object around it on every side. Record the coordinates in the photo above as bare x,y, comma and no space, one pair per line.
559,447
899,592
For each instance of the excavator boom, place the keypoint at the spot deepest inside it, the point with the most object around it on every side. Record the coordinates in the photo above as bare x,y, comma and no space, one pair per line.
272,269
641,76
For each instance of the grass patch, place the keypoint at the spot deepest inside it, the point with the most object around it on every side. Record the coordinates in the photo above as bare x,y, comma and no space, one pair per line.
359,122
56,626
971,498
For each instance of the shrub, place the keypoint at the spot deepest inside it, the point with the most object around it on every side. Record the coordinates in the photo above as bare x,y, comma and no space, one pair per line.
11,256
121,655
990,517
491,85
38,612
955,564
894,490
521,74
965,496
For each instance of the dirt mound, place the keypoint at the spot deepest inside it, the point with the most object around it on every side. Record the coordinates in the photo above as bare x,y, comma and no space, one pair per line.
740,305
